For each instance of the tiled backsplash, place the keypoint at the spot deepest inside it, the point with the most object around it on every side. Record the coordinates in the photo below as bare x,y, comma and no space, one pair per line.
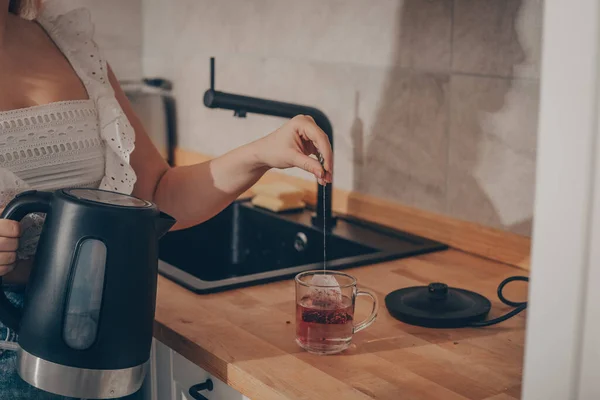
433,102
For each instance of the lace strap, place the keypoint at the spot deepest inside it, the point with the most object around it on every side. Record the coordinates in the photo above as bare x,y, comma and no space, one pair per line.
73,33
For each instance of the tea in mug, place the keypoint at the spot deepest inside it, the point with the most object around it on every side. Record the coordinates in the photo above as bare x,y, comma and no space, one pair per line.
324,326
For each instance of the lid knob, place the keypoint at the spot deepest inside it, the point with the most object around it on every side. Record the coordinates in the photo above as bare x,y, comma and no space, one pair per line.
437,291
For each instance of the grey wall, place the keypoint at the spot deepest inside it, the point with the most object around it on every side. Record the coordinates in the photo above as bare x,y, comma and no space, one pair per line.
433,102
118,32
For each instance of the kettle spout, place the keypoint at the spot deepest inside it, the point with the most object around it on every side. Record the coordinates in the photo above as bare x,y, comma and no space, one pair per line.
164,222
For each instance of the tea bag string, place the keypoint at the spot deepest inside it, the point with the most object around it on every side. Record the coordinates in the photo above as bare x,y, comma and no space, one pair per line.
322,161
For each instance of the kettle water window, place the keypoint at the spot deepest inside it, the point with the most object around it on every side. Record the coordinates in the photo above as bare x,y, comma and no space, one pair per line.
85,295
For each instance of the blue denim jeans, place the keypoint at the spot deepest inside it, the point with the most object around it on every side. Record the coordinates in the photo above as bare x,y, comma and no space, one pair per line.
11,385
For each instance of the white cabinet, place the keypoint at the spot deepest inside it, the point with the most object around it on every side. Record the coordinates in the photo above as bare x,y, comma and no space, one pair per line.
172,375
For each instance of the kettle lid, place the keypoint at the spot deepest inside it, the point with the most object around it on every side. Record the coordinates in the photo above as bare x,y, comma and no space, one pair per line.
437,306
107,198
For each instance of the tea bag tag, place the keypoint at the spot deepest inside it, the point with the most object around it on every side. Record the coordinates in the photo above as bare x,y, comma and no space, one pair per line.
321,160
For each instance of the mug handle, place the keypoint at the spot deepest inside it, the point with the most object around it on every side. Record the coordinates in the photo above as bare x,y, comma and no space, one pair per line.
371,318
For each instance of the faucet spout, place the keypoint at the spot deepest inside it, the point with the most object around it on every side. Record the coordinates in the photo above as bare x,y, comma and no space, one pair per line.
241,105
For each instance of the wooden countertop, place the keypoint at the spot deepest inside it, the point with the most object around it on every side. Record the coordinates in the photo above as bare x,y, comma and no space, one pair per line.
245,337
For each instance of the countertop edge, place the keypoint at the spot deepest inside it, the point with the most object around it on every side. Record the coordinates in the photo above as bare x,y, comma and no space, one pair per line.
254,388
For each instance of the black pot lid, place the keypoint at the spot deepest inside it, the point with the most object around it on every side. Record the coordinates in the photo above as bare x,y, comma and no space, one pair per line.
437,306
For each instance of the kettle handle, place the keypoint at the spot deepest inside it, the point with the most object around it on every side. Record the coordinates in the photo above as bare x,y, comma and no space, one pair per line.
23,204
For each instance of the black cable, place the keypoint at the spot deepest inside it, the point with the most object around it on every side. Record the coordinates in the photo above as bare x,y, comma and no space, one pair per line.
519,305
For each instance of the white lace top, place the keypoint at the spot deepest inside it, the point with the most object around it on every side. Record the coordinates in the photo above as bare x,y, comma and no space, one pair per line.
82,143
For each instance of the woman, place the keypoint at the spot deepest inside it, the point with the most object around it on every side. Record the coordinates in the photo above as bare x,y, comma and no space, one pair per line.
65,122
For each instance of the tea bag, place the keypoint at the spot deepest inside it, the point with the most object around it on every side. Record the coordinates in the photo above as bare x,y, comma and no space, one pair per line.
326,291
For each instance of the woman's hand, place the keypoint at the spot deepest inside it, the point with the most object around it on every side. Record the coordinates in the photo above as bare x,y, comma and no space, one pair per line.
10,231
291,146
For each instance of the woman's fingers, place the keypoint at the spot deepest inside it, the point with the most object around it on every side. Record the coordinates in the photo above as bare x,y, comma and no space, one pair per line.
310,149
10,231
7,258
9,228
309,130
9,244
311,165
5,269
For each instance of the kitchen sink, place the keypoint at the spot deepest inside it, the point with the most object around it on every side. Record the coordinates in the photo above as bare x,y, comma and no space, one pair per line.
246,245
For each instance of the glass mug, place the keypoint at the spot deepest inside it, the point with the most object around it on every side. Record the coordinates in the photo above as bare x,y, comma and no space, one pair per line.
325,311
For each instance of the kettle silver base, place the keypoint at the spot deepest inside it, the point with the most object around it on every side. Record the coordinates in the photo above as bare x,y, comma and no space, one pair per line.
79,382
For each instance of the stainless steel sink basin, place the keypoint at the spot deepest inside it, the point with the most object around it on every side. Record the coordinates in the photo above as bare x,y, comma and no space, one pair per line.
245,245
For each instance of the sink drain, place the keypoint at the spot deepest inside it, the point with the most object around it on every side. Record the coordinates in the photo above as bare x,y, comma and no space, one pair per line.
300,242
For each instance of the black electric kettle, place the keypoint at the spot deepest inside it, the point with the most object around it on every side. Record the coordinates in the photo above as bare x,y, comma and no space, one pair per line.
85,329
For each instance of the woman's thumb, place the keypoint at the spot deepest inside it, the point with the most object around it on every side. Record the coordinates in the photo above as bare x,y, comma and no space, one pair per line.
309,164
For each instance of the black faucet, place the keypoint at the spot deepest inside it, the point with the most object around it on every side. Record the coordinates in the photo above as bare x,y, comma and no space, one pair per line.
241,105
